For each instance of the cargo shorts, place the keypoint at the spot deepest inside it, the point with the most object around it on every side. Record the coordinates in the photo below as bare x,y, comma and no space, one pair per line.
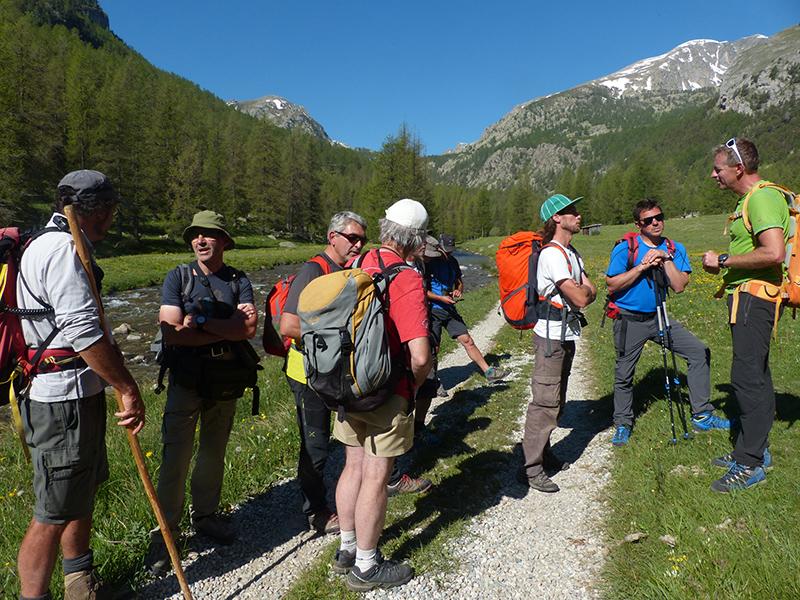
67,441
386,431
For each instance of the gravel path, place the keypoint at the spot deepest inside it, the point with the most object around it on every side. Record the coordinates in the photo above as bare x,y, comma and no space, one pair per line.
539,545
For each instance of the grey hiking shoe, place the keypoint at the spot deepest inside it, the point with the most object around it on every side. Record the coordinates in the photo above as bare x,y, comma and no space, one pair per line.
494,374
385,574
542,483
343,561
85,585
157,558
409,485
215,526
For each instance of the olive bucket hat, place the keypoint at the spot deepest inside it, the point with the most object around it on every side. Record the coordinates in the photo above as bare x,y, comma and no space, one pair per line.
207,219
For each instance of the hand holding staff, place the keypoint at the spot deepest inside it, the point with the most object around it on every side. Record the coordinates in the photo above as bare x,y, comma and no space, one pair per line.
129,415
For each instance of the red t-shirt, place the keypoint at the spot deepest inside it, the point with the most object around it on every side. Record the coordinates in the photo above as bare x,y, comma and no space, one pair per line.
408,312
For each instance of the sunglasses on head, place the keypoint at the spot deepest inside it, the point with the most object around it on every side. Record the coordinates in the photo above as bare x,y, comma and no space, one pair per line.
648,220
731,143
353,238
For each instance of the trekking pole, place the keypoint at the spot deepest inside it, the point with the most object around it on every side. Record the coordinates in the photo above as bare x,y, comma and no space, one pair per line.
662,342
136,449
675,377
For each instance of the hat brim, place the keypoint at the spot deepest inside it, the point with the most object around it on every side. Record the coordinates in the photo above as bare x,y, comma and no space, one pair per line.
188,235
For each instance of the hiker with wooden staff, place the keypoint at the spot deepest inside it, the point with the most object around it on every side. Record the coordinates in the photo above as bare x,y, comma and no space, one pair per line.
64,412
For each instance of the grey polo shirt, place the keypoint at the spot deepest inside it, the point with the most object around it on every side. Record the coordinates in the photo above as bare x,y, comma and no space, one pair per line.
52,270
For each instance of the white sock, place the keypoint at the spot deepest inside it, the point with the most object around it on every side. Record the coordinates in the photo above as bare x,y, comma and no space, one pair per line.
347,540
366,559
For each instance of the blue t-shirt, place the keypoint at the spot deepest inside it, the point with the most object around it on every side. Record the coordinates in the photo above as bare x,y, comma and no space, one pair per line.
443,274
640,297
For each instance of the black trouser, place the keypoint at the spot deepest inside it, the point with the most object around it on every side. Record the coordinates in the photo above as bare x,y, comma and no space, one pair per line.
751,378
314,423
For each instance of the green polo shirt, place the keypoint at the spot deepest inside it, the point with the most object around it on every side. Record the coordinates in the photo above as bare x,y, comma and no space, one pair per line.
766,209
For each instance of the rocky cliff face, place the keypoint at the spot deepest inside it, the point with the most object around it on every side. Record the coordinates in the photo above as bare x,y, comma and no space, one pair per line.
282,113
543,136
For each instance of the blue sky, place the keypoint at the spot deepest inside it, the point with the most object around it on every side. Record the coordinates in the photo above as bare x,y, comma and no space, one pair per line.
448,69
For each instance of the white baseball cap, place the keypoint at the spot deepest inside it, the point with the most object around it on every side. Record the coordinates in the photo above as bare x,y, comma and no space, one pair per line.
408,213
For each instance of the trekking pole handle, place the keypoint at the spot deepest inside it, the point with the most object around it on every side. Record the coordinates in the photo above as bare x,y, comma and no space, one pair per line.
133,441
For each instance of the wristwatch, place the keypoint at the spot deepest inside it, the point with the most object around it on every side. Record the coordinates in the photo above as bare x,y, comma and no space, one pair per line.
721,260
200,321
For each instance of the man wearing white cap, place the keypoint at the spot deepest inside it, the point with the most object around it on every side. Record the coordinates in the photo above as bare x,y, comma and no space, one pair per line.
373,439
564,289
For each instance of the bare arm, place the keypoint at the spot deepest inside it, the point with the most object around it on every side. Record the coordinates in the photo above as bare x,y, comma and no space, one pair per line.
104,359
290,326
442,299
769,252
177,330
421,359
678,280
580,295
242,325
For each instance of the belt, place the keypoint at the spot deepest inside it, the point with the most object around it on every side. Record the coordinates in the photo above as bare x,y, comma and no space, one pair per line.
635,316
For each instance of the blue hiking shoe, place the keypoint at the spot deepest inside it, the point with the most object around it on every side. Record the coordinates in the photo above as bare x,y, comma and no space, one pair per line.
621,435
739,477
706,421
727,460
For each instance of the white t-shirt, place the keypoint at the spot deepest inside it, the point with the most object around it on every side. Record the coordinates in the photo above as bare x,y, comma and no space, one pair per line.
552,269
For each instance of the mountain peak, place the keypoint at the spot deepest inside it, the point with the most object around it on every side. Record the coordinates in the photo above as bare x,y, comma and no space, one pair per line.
281,112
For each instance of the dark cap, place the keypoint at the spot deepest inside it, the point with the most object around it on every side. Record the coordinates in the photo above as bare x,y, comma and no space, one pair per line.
447,242
207,219
85,186
432,249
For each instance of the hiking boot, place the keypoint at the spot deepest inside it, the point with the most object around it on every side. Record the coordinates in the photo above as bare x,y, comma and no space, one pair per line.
216,527
542,483
727,460
157,559
409,485
621,435
85,585
324,522
494,374
552,463
706,421
385,574
343,561
739,477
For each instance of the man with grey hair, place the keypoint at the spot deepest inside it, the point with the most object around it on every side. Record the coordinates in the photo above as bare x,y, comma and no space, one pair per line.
753,272
375,438
64,412
346,238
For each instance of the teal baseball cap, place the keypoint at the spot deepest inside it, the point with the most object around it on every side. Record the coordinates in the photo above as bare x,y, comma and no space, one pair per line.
554,204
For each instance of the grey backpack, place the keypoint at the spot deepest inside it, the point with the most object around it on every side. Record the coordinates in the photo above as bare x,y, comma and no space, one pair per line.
344,340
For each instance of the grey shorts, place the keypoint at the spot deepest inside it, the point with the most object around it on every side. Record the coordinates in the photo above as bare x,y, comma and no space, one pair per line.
448,319
67,441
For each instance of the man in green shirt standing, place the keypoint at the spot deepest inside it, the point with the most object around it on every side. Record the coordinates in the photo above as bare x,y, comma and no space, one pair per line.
753,271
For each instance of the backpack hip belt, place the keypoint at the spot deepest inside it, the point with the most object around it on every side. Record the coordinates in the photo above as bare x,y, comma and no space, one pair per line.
759,289
56,359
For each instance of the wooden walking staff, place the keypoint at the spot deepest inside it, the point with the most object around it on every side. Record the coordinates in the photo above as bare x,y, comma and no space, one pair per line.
136,449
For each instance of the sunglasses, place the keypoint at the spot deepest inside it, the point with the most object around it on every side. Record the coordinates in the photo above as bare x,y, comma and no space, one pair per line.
353,238
731,143
649,220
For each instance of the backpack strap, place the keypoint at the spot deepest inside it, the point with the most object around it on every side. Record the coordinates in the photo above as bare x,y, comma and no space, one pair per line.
325,262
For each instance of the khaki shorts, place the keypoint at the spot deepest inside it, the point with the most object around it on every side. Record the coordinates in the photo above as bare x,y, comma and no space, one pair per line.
386,431
67,441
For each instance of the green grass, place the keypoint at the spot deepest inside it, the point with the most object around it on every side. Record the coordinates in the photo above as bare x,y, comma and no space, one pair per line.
745,545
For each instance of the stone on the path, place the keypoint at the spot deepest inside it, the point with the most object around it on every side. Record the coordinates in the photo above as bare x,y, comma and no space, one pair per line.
123,329
633,538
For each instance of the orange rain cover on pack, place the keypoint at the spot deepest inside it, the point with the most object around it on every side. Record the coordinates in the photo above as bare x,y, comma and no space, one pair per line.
516,260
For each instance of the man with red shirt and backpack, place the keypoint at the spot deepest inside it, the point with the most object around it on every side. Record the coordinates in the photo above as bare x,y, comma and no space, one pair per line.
373,439
346,238
631,286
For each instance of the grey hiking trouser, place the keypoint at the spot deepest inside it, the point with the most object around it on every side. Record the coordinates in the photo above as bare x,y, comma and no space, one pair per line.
637,331
549,394
184,408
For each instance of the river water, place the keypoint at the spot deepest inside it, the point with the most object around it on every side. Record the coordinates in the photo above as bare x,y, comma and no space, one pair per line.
139,310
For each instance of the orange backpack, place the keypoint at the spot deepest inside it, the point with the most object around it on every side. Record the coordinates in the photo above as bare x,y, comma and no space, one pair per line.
788,293
517,258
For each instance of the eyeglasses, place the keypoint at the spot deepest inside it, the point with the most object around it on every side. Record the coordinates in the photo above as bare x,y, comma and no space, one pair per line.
353,238
731,143
648,220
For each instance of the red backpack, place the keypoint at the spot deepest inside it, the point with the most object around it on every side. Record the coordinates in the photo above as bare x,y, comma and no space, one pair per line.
18,363
276,301
631,238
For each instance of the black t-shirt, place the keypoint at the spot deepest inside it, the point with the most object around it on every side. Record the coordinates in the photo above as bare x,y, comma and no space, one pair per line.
307,273
222,291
